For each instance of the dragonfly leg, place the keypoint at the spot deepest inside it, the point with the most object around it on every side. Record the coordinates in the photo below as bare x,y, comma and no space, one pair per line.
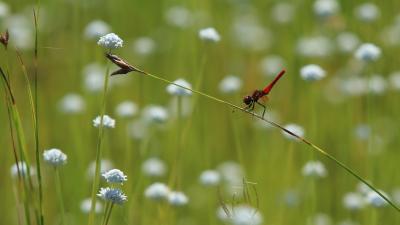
263,108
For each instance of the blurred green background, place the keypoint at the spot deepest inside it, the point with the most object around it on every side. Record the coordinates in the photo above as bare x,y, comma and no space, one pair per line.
352,113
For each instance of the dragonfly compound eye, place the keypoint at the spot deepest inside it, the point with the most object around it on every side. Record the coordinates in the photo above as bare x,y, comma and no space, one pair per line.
248,100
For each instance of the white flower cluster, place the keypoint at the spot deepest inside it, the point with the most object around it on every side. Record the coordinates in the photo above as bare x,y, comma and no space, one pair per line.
54,157
178,91
113,194
364,196
312,72
108,122
209,34
110,41
161,192
314,169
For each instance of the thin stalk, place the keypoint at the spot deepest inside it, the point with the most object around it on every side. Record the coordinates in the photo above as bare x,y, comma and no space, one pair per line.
59,194
109,214
35,116
96,179
280,127
106,209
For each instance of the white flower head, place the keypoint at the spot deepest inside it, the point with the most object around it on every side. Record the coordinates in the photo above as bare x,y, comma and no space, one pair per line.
367,12
283,12
126,109
250,34
110,41
230,84
320,219
394,80
354,86
326,8
96,29
209,34
177,198
144,46
377,85
22,168
368,52
155,114
157,192
20,29
314,169
178,91
105,165
114,195
210,178
347,42
375,200
362,131
178,16
271,65
4,10
294,128
108,122
317,46
115,176
86,205
138,129
72,104
312,72
154,167
245,215
94,77
54,157
353,201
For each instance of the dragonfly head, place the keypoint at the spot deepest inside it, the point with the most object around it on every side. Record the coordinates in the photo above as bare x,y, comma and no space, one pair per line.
248,100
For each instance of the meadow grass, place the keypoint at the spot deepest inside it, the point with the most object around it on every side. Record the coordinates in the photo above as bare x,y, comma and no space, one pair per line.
357,132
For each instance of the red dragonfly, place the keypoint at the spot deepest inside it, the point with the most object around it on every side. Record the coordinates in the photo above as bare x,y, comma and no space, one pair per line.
251,100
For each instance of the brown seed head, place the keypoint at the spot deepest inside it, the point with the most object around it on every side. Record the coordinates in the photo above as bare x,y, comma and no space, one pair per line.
4,38
124,66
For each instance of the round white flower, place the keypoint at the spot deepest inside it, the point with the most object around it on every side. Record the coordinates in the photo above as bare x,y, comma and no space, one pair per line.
312,72
294,128
126,109
230,84
96,29
326,8
144,46
394,80
157,192
105,165
86,205
114,195
362,131
72,104
20,29
245,215
377,85
178,91
23,169
4,10
317,46
54,157
176,198
375,200
354,86
94,77
209,34
367,12
138,129
115,176
271,65
250,35
353,201
368,52
108,122
178,16
110,41
314,169
154,167
347,42
210,178
283,12
155,114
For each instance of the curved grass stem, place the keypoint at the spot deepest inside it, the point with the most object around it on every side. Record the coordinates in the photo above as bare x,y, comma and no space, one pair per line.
278,126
